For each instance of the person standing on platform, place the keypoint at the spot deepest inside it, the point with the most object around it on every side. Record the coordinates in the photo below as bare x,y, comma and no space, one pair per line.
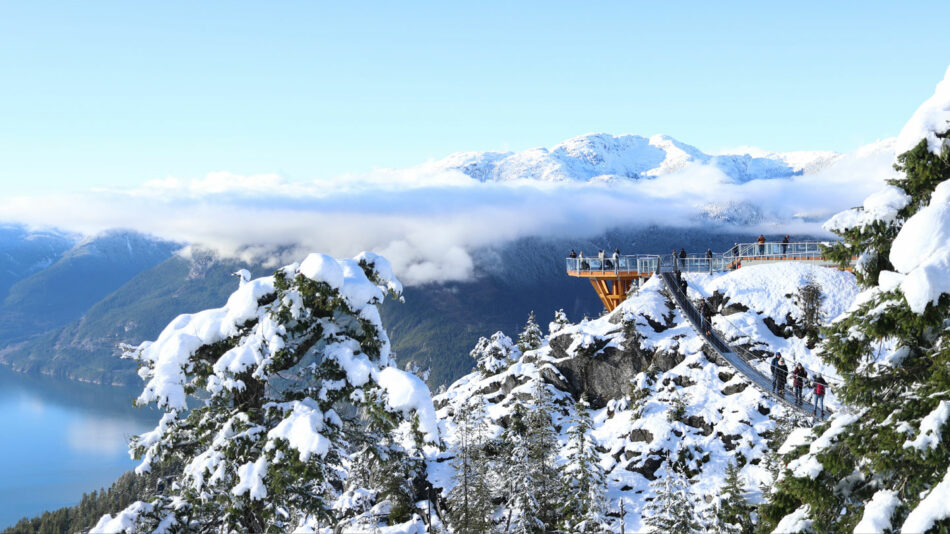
761,242
820,387
709,259
616,258
781,375
799,375
784,245
774,369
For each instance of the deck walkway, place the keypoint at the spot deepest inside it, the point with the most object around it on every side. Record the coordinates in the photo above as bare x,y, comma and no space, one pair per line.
728,353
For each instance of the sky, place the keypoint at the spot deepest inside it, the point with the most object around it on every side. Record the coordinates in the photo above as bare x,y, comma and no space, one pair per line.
115,94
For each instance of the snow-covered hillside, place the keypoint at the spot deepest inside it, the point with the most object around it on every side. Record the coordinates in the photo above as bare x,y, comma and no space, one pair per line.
635,366
604,157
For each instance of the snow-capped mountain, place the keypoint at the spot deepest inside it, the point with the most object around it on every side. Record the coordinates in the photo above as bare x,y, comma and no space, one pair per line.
605,157
661,405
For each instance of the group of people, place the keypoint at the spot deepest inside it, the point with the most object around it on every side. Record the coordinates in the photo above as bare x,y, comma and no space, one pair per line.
604,263
761,242
799,380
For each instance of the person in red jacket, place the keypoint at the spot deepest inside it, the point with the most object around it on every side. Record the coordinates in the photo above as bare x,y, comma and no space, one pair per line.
820,387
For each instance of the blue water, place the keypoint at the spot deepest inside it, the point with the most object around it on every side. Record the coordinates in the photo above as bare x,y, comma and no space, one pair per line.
59,439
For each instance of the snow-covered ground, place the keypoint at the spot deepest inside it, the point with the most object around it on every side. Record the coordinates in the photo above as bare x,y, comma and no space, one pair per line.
725,420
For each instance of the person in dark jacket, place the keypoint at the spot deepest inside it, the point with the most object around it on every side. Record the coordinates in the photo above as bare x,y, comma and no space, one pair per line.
705,311
683,285
799,375
781,375
774,369
761,242
709,259
784,245
820,387
572,254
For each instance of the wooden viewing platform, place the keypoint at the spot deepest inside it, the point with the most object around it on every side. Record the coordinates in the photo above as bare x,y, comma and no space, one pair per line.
613,278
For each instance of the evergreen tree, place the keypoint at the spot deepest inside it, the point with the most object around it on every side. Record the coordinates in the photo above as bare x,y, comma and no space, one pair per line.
584,479
542,448
559,322
470,501
671,510
809,300
530,338
894,356
518,477
276,371
494,354
734,513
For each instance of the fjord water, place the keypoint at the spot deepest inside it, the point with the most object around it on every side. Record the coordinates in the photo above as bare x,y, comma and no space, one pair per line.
59,439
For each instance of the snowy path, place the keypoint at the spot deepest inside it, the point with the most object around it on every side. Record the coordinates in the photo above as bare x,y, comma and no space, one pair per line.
715,341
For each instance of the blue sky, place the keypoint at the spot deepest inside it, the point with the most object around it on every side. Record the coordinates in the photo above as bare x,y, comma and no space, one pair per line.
116,93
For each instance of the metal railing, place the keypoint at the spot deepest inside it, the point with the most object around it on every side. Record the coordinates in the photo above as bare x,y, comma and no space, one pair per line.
698,263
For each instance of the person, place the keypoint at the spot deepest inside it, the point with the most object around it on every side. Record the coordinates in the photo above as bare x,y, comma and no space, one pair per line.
784,245
781,375
709,259
675,261
798,380
706,315
572,254
683,285
683,258
761,242
584,264
774,368
616,258
600,258
820,386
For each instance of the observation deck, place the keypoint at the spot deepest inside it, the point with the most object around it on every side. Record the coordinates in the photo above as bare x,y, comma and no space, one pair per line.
612,279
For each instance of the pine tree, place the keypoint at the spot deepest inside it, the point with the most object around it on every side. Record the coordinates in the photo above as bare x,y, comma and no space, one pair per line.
530,338
584,479
470,501
494,354
671,510
734,513
542,448
275,370
895,361
809,300
559,322
524,510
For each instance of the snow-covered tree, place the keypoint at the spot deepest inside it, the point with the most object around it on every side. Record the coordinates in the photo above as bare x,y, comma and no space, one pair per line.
671,510
884,464
809,299
470,501
494,354
559,322
583,477
734,513
531,336
259,395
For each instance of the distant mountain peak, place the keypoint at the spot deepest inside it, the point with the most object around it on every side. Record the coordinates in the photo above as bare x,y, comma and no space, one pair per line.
606,157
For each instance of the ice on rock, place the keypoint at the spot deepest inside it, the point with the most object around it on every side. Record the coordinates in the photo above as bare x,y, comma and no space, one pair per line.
921,251
322,268
930,119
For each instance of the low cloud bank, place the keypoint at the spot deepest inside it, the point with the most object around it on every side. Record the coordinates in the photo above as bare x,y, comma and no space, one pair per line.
430,223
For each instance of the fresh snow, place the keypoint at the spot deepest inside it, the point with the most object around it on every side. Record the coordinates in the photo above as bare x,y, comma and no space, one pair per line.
930,119
930,435
408,394
796,521
931,509
878,512
880,206
921,251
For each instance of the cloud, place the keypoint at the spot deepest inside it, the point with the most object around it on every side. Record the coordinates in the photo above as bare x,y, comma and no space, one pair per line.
429,222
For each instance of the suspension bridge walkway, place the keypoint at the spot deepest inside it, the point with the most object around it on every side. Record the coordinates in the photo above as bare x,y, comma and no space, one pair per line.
740,360
613,277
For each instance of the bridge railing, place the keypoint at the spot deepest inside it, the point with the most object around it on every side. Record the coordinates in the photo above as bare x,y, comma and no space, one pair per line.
717,262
